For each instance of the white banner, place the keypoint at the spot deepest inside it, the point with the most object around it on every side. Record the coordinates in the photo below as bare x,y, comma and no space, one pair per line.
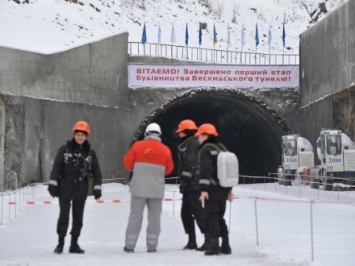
243,76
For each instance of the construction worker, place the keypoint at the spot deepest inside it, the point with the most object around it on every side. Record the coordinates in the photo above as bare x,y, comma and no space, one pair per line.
213,196
191,208
74,162
149,160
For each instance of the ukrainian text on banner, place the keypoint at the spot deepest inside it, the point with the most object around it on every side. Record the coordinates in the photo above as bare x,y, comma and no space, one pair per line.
243,76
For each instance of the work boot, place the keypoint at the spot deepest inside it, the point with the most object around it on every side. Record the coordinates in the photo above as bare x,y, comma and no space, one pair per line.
213,247
225,247
74,247
128,250
191,244
204,246
59,247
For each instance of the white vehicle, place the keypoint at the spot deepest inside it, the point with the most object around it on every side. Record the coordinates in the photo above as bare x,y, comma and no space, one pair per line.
296,152
336,152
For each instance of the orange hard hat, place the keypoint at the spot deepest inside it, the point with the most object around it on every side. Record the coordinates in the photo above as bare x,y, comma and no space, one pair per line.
186,124
82,126
208,129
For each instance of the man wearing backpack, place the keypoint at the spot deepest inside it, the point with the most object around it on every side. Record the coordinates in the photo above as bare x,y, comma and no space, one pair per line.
191,208
213,195
69,182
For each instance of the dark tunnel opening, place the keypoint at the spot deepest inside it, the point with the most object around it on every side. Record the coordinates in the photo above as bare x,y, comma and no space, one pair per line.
246,126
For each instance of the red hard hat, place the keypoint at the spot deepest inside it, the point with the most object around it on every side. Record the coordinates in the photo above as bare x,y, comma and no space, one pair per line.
186,124
208,129
82,126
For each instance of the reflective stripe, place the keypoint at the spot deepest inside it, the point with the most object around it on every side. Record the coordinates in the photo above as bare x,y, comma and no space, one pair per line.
214,152
188,174
53,182
152,240
97,187
131,241
204,182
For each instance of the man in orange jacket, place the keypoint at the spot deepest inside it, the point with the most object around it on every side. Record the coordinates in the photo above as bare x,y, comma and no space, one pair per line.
150,161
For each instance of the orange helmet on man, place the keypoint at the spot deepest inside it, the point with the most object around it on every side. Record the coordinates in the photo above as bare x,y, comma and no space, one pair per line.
186,124
208,129
82,126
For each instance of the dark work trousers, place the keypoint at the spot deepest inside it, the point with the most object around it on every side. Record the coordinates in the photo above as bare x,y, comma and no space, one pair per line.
216,225
63,221
191,210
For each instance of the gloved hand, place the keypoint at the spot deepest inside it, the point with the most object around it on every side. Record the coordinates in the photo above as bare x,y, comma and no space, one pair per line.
52,190
97,193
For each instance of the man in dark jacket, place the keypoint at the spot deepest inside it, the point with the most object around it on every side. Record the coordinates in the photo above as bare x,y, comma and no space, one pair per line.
191,208
213,196
69,182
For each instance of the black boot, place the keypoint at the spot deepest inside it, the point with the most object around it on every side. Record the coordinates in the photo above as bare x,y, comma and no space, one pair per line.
213,247
59,247
225,247
191,244
128,250
74,247
204,246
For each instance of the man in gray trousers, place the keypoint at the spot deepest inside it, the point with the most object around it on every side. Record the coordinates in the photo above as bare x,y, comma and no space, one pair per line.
150,161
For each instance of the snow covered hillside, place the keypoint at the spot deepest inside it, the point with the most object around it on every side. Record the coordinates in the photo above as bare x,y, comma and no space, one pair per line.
45,26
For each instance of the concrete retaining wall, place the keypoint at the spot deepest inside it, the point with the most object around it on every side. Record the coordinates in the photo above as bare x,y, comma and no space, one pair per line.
327,55
42,96
94,73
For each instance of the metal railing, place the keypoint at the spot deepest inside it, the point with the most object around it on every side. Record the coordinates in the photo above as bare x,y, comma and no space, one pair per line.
204,55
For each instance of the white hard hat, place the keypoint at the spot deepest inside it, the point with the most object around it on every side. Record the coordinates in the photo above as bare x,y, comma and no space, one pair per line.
153,127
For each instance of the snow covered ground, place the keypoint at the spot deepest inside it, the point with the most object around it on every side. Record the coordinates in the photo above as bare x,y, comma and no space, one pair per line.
282,234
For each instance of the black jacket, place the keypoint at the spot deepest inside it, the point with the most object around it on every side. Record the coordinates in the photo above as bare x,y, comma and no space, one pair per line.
188,149
70,170
207,158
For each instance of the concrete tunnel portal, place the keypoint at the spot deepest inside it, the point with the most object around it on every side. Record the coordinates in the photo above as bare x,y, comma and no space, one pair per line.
246,126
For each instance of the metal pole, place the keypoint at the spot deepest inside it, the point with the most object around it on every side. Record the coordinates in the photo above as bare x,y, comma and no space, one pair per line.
264,183
9,207
311,209
19,199
318,189
286,187
230,215
15,202
299,190
174,203
2,208
256,223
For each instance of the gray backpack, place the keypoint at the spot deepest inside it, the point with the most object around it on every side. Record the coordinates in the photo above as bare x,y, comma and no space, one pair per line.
227,166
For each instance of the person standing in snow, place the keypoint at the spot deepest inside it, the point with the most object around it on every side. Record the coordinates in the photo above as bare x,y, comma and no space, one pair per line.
191,208
150,160
69,182
213,196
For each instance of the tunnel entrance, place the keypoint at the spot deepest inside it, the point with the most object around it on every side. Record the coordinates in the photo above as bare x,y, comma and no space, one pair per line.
246,126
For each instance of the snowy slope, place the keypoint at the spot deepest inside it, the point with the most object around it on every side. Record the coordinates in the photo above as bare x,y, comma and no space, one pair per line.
48,26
